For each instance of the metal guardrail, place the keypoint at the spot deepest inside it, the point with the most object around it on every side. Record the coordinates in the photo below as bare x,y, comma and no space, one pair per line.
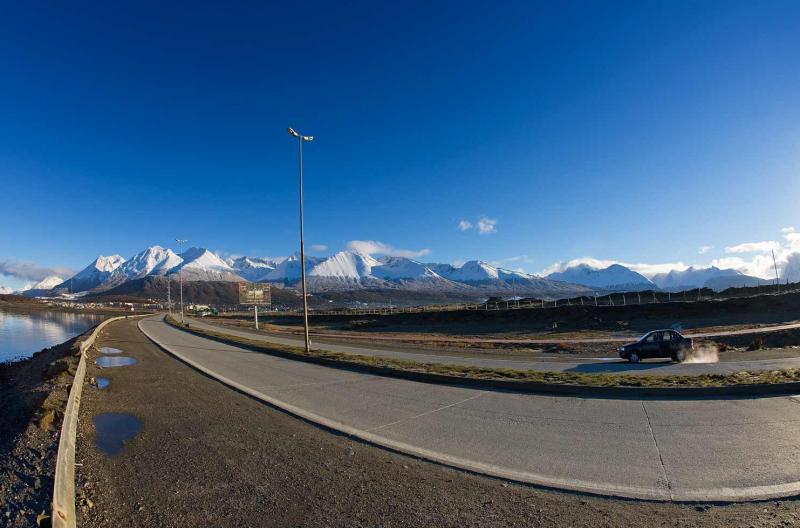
63,508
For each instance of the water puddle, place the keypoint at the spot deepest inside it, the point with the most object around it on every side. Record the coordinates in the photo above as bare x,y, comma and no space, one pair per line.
101,383
112,430
114,361
110,350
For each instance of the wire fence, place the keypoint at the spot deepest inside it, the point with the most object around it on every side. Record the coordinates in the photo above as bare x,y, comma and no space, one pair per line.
607,300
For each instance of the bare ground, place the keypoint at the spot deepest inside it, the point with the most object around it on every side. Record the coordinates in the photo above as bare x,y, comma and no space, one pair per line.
209,455
33,396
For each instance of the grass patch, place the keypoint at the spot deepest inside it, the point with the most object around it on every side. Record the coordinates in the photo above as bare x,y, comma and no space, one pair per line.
505,374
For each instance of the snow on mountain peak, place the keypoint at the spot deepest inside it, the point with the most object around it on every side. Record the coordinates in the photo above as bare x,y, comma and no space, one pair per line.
345,265
48,283
201,258
154,260
613,277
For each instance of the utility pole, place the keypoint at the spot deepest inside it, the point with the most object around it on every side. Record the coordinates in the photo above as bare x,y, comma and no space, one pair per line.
181,242
169,294
300,139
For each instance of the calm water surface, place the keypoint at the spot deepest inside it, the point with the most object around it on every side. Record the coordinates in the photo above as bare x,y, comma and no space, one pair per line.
22,335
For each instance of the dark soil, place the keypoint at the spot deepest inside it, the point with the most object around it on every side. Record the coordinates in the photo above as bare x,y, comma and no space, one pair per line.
636,318
33,395
207,455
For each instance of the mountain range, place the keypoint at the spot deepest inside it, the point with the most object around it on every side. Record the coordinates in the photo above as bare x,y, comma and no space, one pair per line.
621,278
615,278
353,270
343,271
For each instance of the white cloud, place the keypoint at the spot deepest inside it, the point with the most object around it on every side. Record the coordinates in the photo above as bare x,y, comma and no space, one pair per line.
319,247
754,247
486,225
373,247
464,225
704,249
786,230
30,271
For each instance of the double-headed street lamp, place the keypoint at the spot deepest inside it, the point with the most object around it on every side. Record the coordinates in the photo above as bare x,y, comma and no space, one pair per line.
181,242
300,139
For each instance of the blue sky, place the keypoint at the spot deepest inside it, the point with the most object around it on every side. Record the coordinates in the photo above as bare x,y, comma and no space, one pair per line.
637,131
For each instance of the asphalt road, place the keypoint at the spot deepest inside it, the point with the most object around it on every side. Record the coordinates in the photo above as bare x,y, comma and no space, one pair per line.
556,364
709,450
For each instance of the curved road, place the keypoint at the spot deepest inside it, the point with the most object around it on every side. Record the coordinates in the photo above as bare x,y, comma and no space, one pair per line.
556,364
704,450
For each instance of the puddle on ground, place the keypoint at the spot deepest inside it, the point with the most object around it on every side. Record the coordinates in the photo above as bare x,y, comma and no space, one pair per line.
112,430
101,383
110,350
114,361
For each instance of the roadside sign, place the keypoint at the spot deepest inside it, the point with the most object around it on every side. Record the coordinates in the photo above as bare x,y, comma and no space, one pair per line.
254,293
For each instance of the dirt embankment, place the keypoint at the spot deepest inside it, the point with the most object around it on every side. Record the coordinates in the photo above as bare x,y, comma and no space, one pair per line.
637,318
33,395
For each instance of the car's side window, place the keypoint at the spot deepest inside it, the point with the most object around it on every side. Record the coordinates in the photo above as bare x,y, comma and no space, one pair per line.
651,338
667,336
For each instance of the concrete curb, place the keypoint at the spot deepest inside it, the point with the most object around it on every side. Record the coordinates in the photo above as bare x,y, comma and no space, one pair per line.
63,508
739,391
717,495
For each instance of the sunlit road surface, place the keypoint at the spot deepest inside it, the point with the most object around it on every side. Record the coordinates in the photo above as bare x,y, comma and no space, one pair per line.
709,450
587,365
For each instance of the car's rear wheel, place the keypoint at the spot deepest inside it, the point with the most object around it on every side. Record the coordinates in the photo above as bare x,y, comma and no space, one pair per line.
634,357
679,356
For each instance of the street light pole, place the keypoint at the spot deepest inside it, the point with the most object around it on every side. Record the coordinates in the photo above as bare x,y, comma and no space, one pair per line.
181,242
300,139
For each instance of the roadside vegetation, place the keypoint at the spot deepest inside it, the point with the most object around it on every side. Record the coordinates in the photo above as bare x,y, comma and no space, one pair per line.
504,374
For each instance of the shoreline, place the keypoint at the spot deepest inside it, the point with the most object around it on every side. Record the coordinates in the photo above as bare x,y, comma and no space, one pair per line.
33,396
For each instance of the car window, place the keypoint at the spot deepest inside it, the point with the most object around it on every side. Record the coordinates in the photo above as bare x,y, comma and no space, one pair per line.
667,336
651,337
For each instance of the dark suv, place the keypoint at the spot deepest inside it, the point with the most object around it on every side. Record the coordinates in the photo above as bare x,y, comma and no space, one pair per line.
657,344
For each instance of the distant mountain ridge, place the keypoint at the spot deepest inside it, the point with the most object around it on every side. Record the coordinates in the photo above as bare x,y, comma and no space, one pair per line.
353,270
711,277
615,277
343,271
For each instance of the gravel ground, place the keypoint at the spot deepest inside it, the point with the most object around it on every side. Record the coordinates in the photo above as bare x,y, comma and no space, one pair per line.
33,395
209,455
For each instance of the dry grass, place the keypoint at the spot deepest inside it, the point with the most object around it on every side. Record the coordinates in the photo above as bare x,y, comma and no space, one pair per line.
505,374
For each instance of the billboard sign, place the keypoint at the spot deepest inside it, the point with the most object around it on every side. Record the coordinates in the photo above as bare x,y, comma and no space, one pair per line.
254,293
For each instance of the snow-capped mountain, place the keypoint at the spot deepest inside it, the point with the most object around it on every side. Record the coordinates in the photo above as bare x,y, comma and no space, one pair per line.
252,268
4,290
346,270
478,271
289,269
154,260
398,268
92,275
615,277
42,287
200,264
711,277
345,265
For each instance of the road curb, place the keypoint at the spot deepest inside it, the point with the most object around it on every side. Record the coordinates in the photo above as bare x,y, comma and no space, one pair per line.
625,392
715,495
63,507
